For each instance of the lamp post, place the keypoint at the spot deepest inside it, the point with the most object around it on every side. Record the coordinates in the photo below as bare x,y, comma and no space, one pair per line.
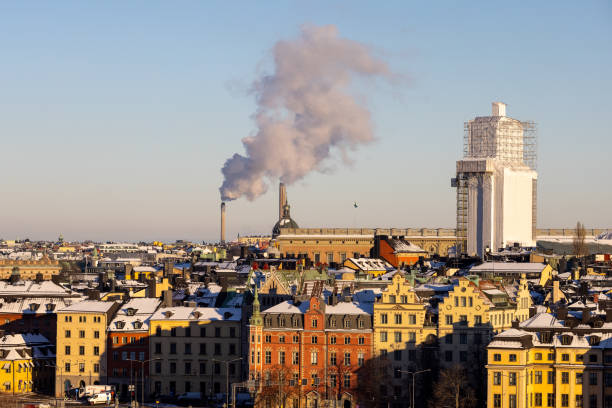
414,373
227,362
142,363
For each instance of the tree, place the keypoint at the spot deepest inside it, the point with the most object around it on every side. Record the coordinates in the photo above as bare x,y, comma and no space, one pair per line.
452,390
578,243
277,387
372,392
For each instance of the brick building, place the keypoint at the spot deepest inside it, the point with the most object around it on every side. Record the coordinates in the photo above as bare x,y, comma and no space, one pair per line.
307,353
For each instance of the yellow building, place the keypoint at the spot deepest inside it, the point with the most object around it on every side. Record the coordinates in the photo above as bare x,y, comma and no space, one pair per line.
403,332
28,270
474,311
81,344
26,364
544,363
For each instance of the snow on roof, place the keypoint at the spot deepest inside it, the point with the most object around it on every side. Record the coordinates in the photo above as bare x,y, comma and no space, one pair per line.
371,264
541,320
494,292
505,344
145,269
85,306
33,305
349,308
509,267
142,306
288,307
513,333
400,246
197,313
32,288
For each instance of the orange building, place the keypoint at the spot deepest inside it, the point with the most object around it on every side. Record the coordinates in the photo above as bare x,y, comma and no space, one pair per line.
318,347
397,251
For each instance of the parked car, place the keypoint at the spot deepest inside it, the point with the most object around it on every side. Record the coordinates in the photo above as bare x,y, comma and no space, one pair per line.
189,398
105,397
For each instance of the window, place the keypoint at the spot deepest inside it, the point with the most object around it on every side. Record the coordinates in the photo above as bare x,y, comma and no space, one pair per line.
314,358
187,368
448,355
217,349
296,339
496,400
173,332
96,334
281,357
187,331
347,359
67,334
295,359
315,322
398,337
96,351
564,377
551,356
172,348
81,350
347,324
512,401
550,377
361,340
96,368
538,399
578,401
592,378
202,368
593,400
565,400
397,355
332,380
281,339
411,319
550,399
404,299
538,356
347,380
593,358
512,357
383,319
115,355
66,368
202,348
332,358
347,340
463,338
360,359
383,337
449,319
202,331
172,367
232,349
81,367
497,378
332,340
398,318
463,356
268,338
268,357
537,379
157,367
187,348
314,339
448,339
477,319
496,357
512,379
578,378
565,357
67,350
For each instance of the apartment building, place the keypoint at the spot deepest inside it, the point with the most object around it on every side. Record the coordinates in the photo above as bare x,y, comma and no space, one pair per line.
82,344
198,350
562,360
128,345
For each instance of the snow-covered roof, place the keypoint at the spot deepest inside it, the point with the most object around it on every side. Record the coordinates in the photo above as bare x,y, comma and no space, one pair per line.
32,288
349,308
541,320
197,313
509,267
400,246
40,305
85,306
371,264
288,307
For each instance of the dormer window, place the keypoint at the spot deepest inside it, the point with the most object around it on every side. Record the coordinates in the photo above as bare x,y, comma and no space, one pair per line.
197,314
227,315
34,307
130,311
594,340
50,307
566,340
120,324
137,324
168,314
347,323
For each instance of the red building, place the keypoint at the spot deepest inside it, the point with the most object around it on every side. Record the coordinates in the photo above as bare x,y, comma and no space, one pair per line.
397,251
306,353
128,346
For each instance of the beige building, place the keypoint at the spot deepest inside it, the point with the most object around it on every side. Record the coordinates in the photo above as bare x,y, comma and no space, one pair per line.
81,344
29,269
197,347
328,245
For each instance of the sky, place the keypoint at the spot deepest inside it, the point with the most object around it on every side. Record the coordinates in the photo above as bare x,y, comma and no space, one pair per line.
116,117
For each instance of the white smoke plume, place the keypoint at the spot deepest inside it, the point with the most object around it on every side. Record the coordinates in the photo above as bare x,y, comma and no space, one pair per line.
305,111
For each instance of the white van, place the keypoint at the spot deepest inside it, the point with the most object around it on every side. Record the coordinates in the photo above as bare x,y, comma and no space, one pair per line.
105,397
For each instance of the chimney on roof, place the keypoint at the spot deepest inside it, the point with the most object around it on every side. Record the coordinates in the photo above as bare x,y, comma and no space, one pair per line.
562,313
586,315
168,298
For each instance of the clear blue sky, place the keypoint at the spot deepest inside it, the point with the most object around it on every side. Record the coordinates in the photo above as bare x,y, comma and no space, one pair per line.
116,117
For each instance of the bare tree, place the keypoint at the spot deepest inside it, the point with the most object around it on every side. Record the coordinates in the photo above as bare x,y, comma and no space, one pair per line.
452,390
578,243
277,387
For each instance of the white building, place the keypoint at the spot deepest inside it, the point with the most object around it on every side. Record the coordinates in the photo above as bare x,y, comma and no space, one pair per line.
497,183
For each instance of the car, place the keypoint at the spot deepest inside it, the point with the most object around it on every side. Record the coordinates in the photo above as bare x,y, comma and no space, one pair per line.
105,397
189,398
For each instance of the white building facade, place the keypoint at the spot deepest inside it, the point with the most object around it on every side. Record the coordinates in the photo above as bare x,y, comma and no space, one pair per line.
496,183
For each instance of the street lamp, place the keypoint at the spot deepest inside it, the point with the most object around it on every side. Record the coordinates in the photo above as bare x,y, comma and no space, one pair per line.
414,373
142,373
227,377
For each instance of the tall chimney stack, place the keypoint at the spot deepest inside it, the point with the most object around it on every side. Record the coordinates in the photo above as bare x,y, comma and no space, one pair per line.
282,199
222,222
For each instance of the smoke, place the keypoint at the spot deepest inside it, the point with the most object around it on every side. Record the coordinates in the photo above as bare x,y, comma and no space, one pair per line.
305,112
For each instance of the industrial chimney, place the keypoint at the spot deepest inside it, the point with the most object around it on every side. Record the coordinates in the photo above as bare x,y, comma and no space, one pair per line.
282,199
222,222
